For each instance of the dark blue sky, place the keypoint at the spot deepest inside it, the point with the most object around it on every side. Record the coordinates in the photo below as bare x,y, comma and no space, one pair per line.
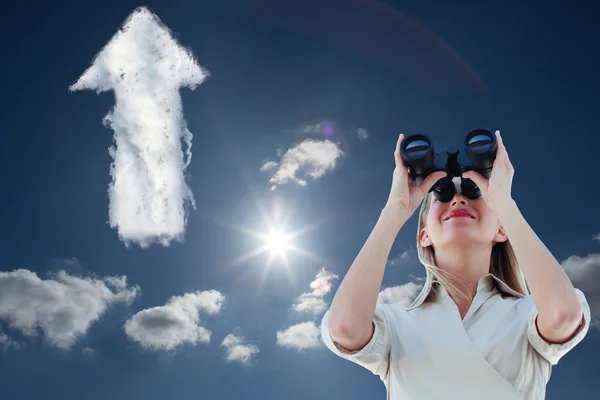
440,68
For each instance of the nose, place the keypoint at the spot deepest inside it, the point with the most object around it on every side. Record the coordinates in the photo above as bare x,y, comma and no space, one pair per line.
459,200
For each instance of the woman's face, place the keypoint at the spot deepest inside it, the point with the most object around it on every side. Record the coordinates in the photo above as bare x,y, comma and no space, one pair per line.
461,221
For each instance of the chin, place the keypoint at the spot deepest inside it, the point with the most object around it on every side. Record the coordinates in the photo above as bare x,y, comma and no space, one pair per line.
464,237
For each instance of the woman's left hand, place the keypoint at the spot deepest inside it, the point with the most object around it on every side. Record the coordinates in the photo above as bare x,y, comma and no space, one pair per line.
497,190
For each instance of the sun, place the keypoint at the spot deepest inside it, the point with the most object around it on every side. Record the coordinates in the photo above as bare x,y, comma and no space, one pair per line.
278,242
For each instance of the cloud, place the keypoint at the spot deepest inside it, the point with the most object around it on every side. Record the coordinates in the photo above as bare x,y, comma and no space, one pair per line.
305,335
326,128
69,262
402,295
176,323
402,257
238,350
362,134
145,67
584,272
313,301
7,343
88,352
63,307
309,158
597,237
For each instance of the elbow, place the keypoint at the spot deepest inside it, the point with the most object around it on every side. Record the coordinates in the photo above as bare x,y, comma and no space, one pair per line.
566,315
350,337
339,331
570,317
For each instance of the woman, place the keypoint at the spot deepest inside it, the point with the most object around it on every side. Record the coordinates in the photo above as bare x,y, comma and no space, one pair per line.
474,331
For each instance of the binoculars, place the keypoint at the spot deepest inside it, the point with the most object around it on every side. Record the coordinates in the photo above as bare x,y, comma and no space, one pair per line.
478,154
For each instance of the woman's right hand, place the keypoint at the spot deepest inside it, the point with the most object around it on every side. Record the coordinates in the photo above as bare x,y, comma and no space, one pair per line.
405,197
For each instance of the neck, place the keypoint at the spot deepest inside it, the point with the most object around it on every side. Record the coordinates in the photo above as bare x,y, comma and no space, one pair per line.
464,265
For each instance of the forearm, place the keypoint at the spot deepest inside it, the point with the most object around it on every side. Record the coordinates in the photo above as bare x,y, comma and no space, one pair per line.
551,289
354,303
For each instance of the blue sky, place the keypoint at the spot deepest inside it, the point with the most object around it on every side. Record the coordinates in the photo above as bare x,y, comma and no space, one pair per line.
92,307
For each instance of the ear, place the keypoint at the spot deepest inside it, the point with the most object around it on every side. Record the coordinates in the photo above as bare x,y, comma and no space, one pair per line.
500,235
424,238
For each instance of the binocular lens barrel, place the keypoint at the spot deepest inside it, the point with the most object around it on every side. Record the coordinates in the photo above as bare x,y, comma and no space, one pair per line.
417,148
479,141
481,148
417,153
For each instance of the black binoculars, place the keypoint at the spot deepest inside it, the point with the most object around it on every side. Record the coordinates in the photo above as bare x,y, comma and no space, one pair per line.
478,154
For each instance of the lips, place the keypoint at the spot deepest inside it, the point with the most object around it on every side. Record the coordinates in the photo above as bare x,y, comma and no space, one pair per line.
459,214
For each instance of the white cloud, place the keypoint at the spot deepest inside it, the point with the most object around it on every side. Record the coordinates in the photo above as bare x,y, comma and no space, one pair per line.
145,67
238,350
176,323
597,237
268,166
309,158
362,134
584,272
402,295
63,307
305,335
88,352
7,343
402,257
326,128
313,301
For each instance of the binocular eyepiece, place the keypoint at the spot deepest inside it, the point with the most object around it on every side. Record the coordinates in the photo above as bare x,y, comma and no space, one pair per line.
478,154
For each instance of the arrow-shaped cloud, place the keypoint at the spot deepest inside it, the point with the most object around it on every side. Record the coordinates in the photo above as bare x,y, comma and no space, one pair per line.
145,67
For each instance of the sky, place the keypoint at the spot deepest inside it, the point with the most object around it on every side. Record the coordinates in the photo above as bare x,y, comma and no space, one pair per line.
150,154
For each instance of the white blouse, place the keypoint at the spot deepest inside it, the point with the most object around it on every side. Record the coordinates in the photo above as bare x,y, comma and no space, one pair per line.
426,352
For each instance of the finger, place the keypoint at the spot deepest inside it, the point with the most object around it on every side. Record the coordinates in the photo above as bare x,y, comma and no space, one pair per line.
501,147
477,178
397,156
400,166
431,180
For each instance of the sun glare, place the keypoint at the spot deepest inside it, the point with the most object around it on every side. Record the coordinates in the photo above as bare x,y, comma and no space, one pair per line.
278,242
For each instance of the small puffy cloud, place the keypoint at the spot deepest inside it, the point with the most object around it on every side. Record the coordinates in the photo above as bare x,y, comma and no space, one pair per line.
325,128
238,350
309,158
313,302
67,261
176,323
88,352
62,307
401,258
305,335
597,237
584,272
362,134
402,295
7,343
145,67
268,165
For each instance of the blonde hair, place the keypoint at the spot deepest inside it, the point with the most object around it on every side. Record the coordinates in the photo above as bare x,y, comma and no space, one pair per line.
503,263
